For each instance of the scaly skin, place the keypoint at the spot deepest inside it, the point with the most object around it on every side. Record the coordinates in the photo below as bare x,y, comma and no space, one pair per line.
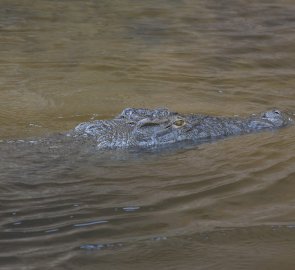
144,127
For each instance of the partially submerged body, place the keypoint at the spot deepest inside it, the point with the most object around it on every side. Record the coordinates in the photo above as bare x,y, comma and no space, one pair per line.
145,127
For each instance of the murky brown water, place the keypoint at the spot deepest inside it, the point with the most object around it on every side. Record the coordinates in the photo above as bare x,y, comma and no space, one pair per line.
225,205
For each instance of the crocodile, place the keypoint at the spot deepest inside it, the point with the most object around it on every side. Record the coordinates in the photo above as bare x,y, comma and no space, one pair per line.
155,127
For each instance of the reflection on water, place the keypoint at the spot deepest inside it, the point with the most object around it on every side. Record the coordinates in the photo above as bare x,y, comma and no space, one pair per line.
224,205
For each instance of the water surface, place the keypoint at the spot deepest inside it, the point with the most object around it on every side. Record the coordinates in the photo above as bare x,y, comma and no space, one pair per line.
222,205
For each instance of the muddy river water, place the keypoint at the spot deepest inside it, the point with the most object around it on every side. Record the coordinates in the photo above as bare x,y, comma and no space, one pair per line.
228,204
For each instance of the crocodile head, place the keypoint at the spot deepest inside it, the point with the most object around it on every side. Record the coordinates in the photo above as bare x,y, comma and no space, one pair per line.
163,127
145,127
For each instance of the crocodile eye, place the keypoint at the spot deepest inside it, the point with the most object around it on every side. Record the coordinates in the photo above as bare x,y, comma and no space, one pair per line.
277,112
179,123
